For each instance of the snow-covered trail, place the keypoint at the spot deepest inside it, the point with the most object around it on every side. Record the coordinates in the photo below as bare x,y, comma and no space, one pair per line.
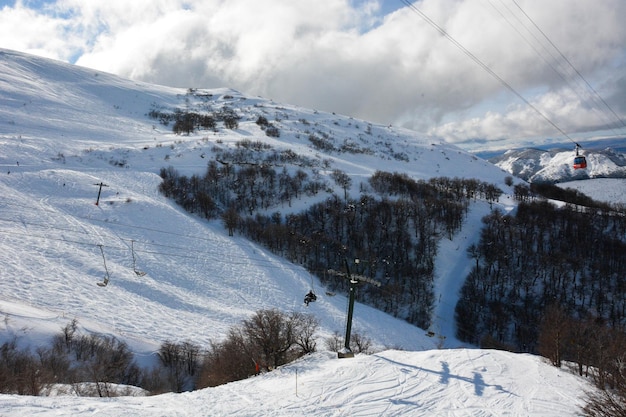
452,267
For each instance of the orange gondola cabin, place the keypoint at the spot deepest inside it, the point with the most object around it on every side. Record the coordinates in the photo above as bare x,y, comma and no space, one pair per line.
580,162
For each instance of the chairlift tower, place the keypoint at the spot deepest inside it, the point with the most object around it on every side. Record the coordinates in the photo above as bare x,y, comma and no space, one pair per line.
100,185
354,280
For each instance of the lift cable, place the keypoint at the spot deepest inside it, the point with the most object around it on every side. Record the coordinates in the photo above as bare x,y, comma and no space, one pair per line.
484,66
557,67
593,90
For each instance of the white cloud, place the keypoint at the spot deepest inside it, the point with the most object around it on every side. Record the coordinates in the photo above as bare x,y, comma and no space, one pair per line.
342,56
31,31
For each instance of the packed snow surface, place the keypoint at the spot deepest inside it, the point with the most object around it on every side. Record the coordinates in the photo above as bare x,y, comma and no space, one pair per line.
455,382
608,190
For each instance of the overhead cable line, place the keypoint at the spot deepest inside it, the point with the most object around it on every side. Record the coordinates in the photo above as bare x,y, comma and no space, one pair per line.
570,64
599,105
84,232
107,222
484,66
561,73
206,255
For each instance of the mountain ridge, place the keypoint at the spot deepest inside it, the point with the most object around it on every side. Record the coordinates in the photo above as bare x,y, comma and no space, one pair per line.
555,165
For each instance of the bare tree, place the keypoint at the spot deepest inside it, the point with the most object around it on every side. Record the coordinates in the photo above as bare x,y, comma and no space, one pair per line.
230,218
343,180
305,326
181,361
271,335
553,334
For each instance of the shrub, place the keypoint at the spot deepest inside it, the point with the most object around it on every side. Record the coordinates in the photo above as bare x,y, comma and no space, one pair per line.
265,341
272,131
105,360
231,122
18,371
334,343
262,121
358,343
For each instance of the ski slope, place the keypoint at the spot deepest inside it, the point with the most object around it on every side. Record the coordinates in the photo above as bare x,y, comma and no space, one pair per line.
66,129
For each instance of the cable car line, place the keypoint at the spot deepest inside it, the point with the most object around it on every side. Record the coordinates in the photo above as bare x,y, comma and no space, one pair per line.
571,65
560,73
216,257
484,66
580,161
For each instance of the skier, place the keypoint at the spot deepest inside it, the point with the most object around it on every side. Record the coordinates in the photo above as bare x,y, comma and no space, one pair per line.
309,297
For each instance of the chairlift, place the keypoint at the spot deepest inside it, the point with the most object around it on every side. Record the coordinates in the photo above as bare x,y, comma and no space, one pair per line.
132,249
106,277
580,162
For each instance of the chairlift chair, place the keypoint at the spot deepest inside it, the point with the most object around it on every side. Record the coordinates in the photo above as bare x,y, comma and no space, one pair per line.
310,296
132,248
105,282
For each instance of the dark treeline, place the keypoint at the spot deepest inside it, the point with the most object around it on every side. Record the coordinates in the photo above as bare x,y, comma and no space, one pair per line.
527,193
392,228
552,281
393,231
572,196
542,261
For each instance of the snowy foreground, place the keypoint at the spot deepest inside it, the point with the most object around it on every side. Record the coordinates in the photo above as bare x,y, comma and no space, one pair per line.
457,382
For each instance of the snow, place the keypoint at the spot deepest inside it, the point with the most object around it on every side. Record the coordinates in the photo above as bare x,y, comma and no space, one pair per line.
453,382
609,190
453,264
65,129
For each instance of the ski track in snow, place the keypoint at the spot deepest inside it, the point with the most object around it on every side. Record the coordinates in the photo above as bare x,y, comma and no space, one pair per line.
454,382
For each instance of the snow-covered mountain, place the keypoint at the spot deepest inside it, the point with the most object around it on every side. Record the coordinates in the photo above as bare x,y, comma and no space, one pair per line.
556,165
65,130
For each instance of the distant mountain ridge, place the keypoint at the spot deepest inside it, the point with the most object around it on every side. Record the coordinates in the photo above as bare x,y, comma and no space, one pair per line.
555,165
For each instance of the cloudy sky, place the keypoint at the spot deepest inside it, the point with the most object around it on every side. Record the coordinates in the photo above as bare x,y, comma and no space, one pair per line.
474,72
